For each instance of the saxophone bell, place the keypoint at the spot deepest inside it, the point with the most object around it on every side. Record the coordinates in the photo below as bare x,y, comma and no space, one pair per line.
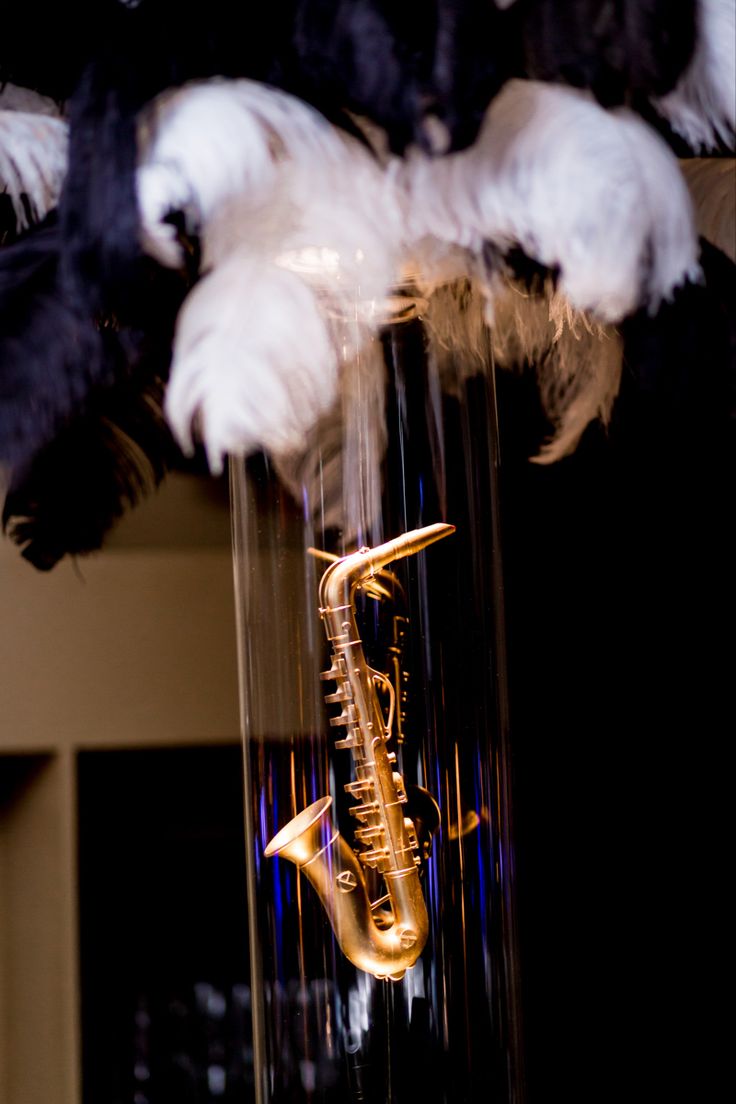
311,841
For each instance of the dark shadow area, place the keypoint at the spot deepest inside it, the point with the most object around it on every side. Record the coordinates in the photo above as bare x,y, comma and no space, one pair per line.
164,946
619,596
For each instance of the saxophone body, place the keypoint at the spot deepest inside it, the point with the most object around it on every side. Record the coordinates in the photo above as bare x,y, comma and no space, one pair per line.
383,937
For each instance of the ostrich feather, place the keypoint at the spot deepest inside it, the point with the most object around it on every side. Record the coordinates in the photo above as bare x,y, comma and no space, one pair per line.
366,55
476,49
577,361
702,106
246,162
217,142
594,196
299,229
253,364
49,353
614,50
712,184
102,462
33,160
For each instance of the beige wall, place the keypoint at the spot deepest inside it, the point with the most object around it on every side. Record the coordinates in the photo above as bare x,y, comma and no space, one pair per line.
132,647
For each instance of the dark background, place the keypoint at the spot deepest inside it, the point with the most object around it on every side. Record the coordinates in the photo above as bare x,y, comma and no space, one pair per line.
619,600
164,945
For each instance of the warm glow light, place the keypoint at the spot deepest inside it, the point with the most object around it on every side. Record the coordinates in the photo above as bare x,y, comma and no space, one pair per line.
311,259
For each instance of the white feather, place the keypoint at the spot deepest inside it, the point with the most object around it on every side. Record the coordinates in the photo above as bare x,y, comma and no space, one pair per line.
300,228
33,160
594,194
702,106
250,163
254,366
712,184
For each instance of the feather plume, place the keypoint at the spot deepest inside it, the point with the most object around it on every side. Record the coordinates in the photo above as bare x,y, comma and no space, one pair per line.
594,196
253,363
245,162
712,184
297,224
49,353
576,360
102,463
33,160
702,106
367,56
578,373
612,49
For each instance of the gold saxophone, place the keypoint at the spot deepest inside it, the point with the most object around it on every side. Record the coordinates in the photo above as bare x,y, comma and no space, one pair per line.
383,942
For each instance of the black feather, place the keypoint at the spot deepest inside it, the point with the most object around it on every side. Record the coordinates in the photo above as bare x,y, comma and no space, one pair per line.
614,49
103,462
50,353
111,450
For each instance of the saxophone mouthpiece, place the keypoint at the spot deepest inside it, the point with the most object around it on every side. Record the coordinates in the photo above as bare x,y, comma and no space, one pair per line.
417,539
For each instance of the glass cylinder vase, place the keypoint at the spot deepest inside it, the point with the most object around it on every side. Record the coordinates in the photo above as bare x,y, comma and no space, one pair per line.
378,821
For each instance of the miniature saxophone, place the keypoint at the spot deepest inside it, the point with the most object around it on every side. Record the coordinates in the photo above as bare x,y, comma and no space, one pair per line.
382,943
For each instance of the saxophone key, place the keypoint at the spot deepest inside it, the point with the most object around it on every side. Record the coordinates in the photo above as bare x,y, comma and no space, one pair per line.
362,812
336,671
352,740
361,788
411,834
347,717
370,833
399,787
374,858
343,693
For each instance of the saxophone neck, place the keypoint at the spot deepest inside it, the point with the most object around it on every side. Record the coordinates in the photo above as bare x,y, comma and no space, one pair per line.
342,577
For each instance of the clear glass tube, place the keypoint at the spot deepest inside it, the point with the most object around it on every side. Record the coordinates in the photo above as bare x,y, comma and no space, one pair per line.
413,443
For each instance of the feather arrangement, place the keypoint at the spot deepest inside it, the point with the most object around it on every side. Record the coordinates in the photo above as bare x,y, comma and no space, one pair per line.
300,228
